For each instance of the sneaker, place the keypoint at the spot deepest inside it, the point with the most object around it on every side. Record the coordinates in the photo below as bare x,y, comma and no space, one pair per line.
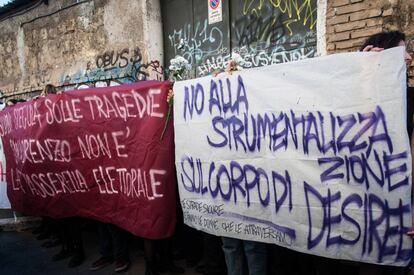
121,265
101,263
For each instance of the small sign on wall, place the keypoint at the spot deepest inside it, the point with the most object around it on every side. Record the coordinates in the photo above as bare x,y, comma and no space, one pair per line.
215,11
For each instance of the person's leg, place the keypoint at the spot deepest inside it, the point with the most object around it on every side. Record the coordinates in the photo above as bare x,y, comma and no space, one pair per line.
56,234
166,263
150,264
120,245
105,247
74,225
38,230
213,255
77,236
105,241
370,269
66,250
256,255
233,253
192,243
324,266
46,232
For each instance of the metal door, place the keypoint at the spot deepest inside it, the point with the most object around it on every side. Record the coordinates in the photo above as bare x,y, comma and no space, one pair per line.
263,32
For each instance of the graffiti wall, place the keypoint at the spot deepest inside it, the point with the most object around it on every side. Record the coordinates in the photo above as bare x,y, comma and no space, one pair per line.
112,68
263,32
77,44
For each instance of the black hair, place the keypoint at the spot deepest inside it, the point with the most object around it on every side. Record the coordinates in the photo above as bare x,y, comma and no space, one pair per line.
49,89
13,101
384,40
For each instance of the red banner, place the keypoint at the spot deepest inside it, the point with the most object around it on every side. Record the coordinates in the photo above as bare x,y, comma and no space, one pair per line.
94,153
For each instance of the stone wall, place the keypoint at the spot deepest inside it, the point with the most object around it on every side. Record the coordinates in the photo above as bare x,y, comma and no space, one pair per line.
350,22
73,44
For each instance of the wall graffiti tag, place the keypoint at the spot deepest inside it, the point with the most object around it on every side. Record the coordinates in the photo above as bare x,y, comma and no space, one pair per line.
114,67
298,11
206,40
263,32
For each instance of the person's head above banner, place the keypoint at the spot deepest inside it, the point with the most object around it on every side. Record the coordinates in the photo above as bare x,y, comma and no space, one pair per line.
386,40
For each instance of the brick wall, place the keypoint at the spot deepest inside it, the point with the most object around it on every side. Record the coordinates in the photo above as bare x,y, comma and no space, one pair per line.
350,22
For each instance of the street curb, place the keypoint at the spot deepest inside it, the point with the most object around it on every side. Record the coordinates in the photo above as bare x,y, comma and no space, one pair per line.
19,223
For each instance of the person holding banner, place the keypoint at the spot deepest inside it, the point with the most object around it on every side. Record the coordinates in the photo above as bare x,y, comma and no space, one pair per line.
386,40
113,245
377,43
254,252
235,250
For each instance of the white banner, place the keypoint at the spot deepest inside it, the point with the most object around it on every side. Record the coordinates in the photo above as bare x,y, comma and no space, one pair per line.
310,155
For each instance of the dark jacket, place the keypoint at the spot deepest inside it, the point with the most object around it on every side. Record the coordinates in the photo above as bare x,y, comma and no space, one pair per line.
410,110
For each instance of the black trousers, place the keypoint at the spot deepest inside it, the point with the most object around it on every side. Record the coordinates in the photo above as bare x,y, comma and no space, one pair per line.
113,242
71,234
215,263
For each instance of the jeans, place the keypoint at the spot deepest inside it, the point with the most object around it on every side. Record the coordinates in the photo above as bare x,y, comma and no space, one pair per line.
255,253
113,242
